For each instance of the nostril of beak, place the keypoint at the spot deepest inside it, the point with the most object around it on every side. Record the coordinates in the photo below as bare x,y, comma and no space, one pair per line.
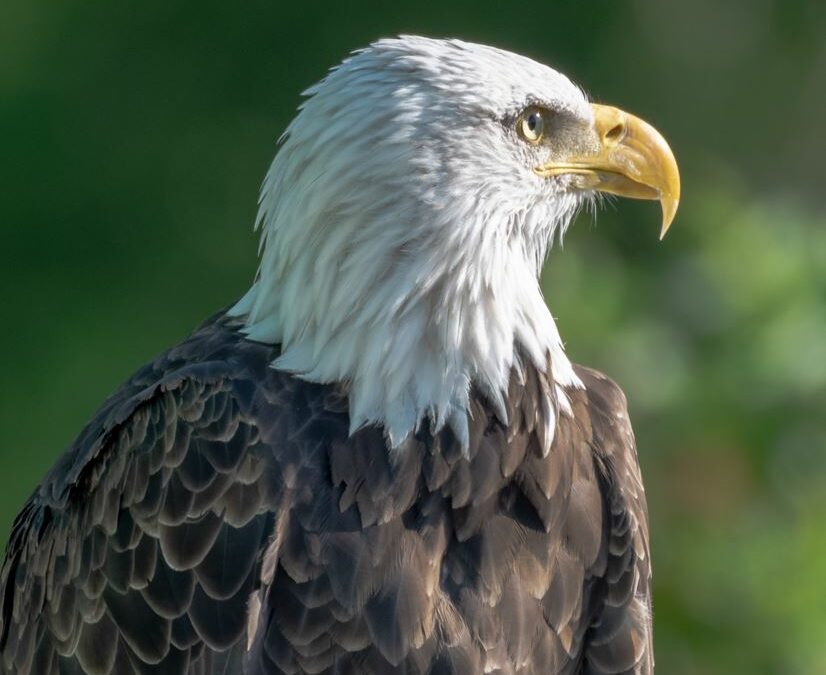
615,134
611,125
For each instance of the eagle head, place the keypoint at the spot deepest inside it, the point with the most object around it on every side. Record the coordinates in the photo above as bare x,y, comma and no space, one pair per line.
406,217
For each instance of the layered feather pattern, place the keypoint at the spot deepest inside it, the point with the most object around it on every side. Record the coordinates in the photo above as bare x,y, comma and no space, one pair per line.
216,516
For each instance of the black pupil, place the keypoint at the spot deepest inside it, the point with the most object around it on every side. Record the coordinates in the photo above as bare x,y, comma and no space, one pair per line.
533,121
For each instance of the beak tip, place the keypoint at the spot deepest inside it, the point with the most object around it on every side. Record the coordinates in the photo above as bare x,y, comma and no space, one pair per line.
669,206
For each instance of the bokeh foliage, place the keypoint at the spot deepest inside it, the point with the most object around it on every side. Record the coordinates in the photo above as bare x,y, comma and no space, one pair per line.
134,137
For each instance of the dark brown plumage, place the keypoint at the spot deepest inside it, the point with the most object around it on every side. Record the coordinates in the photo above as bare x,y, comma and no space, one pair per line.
215,517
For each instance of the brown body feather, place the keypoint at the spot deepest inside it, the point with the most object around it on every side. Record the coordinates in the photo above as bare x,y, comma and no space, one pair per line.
215,517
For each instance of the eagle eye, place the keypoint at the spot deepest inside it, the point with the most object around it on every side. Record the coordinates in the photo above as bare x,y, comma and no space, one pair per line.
531,124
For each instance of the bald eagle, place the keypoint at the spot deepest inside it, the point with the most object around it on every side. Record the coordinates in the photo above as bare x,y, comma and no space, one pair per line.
380,459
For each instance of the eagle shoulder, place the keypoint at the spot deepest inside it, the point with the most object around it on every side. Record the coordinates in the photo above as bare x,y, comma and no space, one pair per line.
620,639
140,549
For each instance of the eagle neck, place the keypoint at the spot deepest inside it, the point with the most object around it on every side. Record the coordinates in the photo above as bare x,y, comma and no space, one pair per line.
419,340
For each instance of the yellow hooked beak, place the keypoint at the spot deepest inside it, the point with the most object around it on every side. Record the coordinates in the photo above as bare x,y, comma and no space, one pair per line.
631,159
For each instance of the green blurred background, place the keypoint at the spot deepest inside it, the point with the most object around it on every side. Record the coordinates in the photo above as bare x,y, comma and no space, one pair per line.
134,137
